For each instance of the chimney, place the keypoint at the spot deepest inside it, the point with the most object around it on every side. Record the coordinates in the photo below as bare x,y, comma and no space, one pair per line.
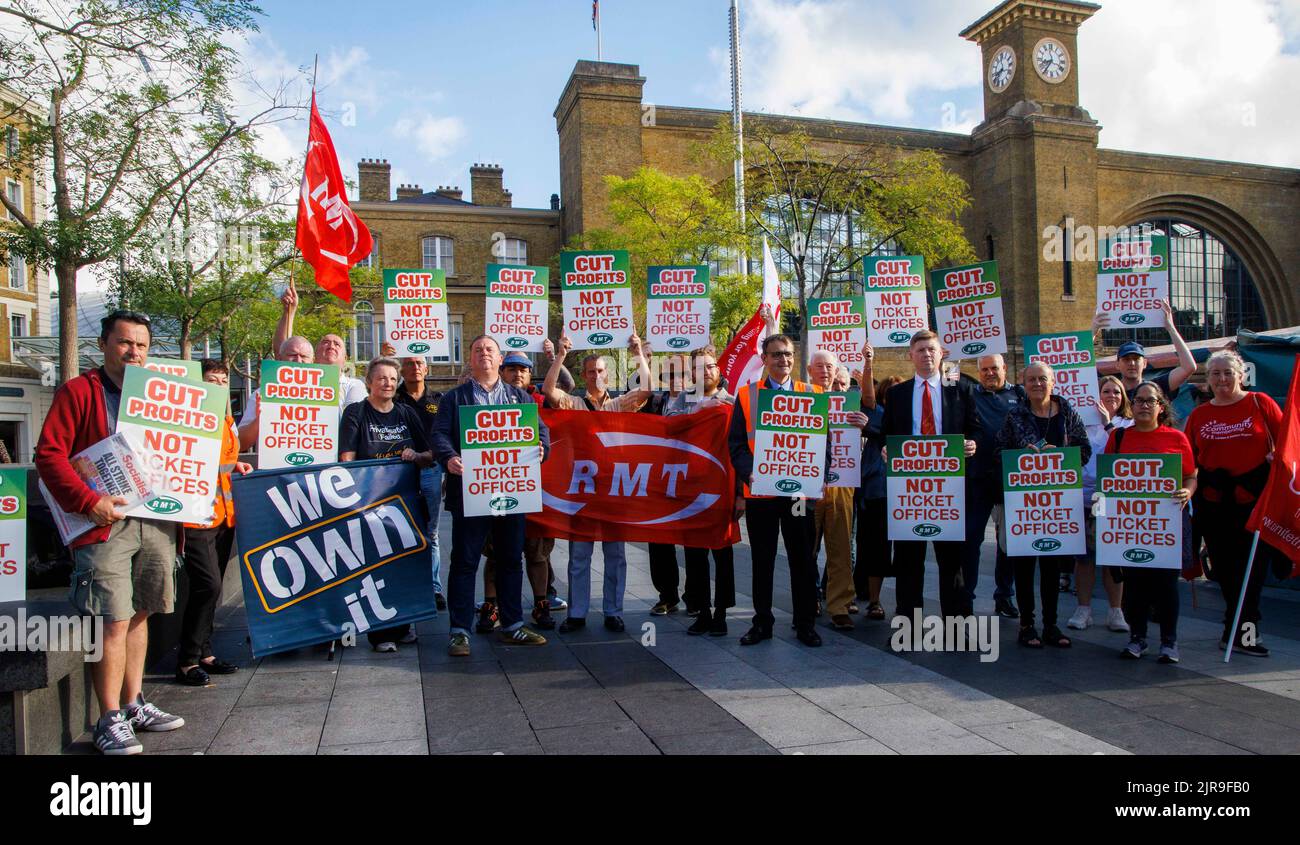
485,186
555,202
408,191
449,192
373,179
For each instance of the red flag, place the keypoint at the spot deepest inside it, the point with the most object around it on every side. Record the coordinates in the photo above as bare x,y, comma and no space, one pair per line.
330,236
638,478
1277,513
742,361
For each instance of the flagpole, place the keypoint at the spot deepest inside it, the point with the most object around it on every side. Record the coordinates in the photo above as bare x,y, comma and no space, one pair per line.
293,256
1241,599
599,52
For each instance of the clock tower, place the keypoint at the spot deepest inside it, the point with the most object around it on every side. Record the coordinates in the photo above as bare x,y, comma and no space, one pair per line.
1035,162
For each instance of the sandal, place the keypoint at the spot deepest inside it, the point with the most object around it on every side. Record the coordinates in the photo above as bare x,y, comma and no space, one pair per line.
875,611
1029,637
853,607
1052,636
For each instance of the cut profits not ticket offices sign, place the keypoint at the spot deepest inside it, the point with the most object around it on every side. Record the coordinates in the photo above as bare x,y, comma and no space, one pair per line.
845,440
968,310
298,415
677,308
1043,503
174,425
895,299
925,485
597,294
1073,360
1138,521
790,433
13,534
516,312
501,450
838,326
1133,281
415,312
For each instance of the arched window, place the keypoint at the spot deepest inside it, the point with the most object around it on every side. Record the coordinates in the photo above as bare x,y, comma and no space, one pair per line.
364,339
438,254
1210,288
834,251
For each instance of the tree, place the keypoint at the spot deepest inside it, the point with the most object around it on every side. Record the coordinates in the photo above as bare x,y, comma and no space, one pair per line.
824,206
138,96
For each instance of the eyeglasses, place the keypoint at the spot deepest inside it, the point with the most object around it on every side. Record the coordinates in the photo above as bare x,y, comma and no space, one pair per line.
781,354
1151,401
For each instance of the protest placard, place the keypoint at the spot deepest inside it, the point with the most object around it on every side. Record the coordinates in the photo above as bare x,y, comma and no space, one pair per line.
191,370
895,299
298,416
175,426
1133,281
968,310
415,312
925,485
110,468
328,552
13,534
838,326
1138,521
677,308
597,294
845,440
516,310
1073,360
790,435
1043,504
501,450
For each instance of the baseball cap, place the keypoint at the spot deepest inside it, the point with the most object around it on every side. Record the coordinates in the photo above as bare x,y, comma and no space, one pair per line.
1132,347
517,359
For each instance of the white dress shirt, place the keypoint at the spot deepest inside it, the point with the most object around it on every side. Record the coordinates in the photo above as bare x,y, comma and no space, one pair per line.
936,402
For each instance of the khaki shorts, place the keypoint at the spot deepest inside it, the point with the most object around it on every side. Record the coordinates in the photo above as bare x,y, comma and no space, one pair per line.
133,571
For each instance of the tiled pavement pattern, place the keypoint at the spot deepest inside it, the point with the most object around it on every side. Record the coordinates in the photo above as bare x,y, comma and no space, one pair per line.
594,692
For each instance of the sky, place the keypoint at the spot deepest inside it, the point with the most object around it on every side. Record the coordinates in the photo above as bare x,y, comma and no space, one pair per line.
436,86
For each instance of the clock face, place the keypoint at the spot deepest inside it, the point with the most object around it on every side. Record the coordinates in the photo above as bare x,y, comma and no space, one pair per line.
1051,60
1002,69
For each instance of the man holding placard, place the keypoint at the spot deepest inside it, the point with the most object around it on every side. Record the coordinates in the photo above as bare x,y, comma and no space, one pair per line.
597,297
895,299
477,510
926,408
1131,358
786,410
677,308
330,349
123,569
968,310
296,349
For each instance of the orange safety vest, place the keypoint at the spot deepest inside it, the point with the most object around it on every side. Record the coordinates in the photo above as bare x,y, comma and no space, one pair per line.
223,505
747,398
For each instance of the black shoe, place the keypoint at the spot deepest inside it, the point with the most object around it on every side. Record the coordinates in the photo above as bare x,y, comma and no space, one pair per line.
193,677
1007,609
218,667
614,623
701,625
756,635
440,601
542,615
719,626
571,624
809,637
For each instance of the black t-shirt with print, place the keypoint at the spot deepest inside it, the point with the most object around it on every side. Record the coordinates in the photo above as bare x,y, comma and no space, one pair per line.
372,434
426,405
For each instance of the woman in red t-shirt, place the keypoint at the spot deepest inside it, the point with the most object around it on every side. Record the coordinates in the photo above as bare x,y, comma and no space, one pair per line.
1232,436
1151,434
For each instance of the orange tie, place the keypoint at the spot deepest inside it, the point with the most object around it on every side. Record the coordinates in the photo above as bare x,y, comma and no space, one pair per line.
927,410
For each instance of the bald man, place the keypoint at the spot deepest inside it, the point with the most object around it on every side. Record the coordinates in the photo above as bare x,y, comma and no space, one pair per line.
296,349
330,349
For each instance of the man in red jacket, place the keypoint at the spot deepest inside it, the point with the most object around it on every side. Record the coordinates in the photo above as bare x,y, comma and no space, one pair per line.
123,568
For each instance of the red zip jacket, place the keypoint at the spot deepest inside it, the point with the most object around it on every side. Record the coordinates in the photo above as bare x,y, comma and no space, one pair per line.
77,419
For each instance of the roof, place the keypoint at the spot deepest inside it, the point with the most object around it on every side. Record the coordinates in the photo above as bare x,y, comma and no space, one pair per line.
433,198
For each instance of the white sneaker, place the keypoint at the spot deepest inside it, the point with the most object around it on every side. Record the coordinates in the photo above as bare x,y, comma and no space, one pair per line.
1115,620
410,638
386,648
1082,618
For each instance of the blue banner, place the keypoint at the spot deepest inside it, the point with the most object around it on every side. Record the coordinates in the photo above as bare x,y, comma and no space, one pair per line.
331,550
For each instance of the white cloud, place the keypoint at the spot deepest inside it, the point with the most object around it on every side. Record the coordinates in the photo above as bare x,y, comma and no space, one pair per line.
435,137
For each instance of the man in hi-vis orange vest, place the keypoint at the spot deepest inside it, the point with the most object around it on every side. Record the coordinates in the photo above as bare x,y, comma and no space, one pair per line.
207,550
766,516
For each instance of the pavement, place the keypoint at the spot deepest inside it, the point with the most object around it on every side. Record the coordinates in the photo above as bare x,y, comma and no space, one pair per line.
655,690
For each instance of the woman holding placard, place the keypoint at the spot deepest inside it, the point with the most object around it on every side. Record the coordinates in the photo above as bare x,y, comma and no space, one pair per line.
1152,434
1116,412
1044,422
1232,437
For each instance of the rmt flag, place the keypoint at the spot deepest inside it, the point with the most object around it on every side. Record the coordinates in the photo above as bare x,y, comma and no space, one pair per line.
1277,513
330,236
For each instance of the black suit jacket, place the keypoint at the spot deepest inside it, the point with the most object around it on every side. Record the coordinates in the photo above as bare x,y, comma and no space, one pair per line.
446,433
958,410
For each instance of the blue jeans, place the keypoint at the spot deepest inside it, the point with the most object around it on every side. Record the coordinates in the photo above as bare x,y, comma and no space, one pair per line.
468,534
431,489
580,578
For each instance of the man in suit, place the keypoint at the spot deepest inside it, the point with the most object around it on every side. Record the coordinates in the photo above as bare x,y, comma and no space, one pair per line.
768,516
925,405
484,387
